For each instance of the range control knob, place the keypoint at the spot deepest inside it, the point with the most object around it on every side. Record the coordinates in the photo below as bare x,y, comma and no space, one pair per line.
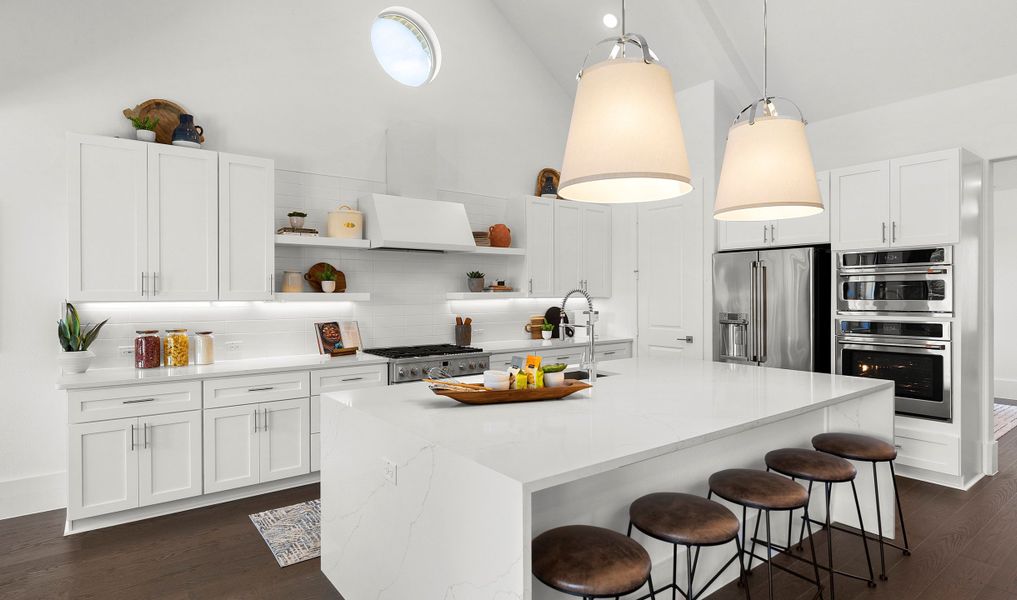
482,364
413,371
462,366
401,372
473,366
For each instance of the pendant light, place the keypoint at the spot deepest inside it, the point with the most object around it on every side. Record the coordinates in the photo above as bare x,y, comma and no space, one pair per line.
767,172
625,141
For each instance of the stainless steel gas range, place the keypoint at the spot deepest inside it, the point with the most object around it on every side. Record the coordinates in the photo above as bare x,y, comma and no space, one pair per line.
412,363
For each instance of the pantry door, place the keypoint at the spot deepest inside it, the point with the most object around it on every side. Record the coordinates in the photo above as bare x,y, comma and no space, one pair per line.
670,284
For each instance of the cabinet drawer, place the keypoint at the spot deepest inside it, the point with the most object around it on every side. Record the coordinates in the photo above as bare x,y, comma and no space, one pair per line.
928,450
614,351
132,401
315,452
231,391
315,414
347,378
561,355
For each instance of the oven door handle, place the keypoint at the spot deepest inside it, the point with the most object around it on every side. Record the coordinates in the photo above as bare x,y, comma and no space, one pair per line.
857,342
846,272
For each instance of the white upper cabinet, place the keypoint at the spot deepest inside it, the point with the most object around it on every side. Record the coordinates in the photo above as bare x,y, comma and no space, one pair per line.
107,189
860,197
736,235
597,257
568,246
925,199
183,253
582,248
246,227
539,246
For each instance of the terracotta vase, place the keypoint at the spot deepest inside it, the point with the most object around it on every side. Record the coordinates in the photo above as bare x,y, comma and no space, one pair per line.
501,236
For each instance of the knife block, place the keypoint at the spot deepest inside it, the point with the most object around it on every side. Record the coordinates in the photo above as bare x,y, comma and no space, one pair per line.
464,335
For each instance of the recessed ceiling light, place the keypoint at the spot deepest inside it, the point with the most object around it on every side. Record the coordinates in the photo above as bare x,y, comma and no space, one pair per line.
610,21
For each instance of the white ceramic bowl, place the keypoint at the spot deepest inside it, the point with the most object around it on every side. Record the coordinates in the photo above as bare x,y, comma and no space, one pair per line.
496,380
554,379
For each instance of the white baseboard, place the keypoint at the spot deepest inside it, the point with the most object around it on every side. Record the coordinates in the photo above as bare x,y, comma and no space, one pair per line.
1005,388
30,495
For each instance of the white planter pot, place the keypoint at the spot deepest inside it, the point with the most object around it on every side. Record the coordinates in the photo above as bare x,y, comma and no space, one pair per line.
546,334
328,286
554,379
75,362
296,222
145,135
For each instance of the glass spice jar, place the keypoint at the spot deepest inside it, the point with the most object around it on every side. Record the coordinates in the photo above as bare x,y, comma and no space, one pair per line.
176,348
147,349
204,348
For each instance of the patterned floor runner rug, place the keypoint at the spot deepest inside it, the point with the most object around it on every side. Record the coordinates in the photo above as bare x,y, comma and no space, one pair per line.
293,533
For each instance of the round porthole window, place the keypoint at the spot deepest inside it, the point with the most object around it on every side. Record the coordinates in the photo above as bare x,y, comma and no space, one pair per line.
405,46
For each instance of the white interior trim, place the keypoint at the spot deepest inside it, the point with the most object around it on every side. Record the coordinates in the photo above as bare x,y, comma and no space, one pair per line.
35,494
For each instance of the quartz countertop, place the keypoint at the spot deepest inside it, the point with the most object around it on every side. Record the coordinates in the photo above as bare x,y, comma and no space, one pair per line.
647,407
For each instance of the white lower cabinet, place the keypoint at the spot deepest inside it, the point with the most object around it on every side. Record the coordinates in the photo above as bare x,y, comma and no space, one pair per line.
126,463
255,443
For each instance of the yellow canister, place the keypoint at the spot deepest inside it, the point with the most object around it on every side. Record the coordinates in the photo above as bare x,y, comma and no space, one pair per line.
344,222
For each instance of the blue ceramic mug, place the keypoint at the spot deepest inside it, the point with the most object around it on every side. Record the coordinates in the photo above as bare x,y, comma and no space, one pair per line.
187,131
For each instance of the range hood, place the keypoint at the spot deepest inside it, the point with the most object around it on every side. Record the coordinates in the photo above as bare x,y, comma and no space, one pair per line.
400,223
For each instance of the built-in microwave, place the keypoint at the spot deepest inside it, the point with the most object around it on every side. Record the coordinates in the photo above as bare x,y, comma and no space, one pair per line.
896,281
916,356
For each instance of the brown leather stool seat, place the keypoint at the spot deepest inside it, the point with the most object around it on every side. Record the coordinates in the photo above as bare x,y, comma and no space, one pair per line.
588,561
758,489
684,519
811,465
855,447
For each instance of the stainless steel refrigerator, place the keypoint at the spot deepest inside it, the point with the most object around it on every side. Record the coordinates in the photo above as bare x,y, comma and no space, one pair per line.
772,308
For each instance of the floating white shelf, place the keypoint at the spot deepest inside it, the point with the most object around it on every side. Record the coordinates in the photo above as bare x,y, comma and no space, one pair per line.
502,251
322,297
323,242
483,295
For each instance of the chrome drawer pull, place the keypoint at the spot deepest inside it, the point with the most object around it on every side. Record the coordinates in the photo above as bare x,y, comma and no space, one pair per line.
352,378
261,389
610,353
561,357
139,400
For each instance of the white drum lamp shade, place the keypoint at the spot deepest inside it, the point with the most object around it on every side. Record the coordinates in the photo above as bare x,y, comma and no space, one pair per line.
767,172
625,141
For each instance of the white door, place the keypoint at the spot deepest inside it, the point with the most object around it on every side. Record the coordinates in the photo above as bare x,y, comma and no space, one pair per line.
925,199
735,235
170,457
807,230
285,439
671,277
567,246
103,467
860,197
246,227
231,448
597,257
107,190
183,229
540,246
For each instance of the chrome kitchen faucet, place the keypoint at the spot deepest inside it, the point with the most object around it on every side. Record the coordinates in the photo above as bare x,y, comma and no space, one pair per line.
589,362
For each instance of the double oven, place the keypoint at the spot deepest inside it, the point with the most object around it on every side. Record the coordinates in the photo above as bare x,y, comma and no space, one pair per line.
894,309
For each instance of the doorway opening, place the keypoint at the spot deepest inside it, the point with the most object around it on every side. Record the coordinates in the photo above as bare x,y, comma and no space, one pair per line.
1003,275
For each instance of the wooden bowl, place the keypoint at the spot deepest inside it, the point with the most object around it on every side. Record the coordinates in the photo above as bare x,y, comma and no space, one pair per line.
313,277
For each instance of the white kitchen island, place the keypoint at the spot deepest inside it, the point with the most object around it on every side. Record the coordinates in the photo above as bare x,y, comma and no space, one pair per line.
423,497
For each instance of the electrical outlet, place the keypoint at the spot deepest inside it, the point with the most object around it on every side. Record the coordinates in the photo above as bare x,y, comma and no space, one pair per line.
391,471
125,351
233,347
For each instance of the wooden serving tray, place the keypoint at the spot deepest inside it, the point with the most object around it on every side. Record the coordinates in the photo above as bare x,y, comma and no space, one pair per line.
503,396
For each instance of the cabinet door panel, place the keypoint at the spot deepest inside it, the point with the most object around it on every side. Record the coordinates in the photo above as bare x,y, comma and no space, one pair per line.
540,261
246,227
107,191
170,457
807,230
567,247
231,450
103,466
285,439
597,256
925,199
183,230
860,197
734,235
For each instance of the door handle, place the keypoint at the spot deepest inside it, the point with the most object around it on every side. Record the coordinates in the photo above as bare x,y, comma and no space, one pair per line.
145,425
687,339
773,233
893,233
753,310
531,285
256,420
132,438
155,283
267,424
884,232
764,234
271,284
143,284
762,312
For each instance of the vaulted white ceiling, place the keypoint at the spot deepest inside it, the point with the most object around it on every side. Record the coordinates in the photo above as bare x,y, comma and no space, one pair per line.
831,56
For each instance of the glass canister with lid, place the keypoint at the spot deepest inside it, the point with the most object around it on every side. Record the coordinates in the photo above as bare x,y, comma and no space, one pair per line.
204,348
147,349
176,348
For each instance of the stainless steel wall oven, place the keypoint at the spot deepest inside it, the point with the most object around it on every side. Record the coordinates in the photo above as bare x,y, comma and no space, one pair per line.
896,281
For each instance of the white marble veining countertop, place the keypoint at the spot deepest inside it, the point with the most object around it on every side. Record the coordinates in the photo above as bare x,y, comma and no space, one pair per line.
649,407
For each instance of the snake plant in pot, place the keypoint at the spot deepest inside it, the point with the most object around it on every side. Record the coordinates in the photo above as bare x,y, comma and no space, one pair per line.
75,340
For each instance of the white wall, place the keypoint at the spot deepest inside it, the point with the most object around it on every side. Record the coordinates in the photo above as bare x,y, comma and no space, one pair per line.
293,81
1005,284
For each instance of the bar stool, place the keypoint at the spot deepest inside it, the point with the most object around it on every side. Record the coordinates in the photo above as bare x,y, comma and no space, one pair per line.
864,448
814,466
765,492
690,521
590,562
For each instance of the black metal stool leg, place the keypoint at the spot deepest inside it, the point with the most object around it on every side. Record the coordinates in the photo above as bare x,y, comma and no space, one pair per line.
688,561
649,582
769,557
755,536
829,539
861,528
812,546
879,525
743,578
801,532
674,571
900,511
745,531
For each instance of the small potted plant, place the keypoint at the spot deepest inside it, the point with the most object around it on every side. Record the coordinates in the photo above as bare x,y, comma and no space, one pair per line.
296,218
144,128
75,340
475,279
546,330
328,276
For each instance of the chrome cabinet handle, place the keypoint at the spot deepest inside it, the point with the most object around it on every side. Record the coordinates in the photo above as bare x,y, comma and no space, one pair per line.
138,400
256,420
531,285
893,233
271,284
155,283
764,234
884,232
145,425
267,424
132,438
142,284
352,378
773,233
610,353
261,389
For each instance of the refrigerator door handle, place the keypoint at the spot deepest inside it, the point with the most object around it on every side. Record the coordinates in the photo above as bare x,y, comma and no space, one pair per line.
753,316
763,333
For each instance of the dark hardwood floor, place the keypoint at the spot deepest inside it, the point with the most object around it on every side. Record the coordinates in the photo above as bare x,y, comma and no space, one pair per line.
964,547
